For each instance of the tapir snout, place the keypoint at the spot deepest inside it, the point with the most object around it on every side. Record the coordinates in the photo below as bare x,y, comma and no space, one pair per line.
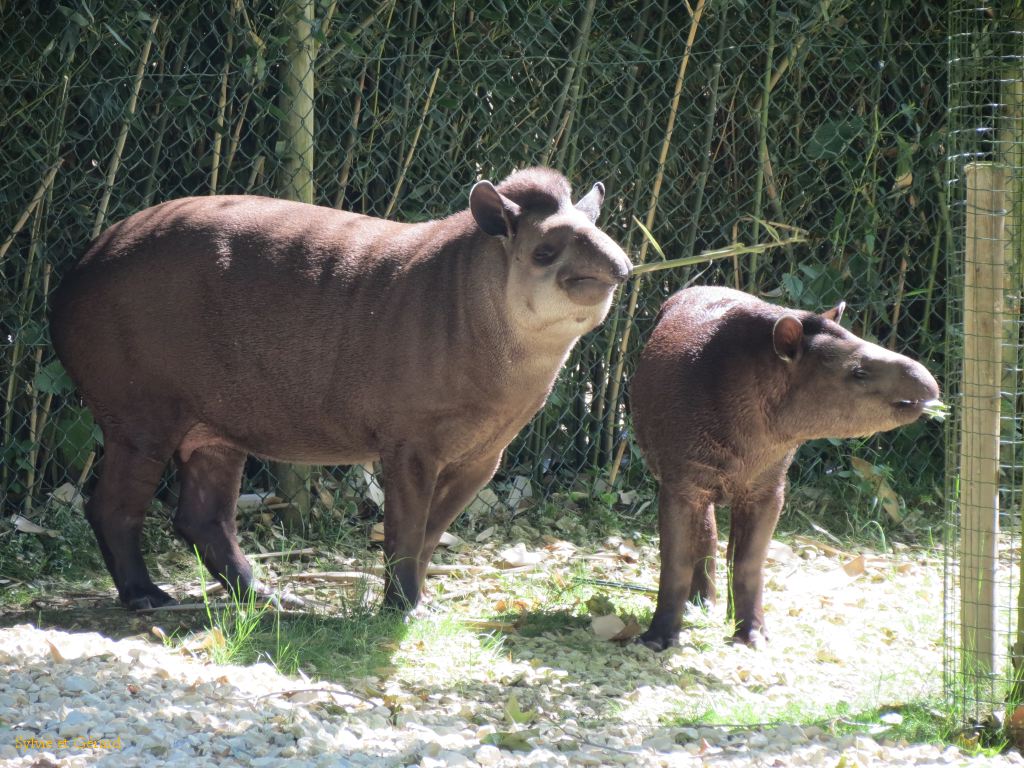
590,281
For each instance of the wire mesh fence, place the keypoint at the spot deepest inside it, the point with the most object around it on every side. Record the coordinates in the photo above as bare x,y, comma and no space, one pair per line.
800,142
986,170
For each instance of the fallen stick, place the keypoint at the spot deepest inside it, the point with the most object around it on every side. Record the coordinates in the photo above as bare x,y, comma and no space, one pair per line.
287,555
828,549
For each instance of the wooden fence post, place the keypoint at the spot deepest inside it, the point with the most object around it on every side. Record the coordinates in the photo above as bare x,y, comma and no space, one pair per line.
980,408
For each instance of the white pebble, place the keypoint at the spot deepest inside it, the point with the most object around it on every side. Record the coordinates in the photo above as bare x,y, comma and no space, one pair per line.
488,754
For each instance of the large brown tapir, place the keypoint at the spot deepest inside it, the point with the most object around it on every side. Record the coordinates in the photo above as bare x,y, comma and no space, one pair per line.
209,328
726,389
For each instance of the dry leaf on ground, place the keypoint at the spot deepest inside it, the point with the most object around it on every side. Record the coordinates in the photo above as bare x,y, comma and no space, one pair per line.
518,556
607,627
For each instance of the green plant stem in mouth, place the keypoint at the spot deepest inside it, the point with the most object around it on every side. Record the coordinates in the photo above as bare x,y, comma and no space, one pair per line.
935,409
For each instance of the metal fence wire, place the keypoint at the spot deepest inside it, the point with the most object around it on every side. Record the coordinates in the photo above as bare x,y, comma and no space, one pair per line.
813,128
984,639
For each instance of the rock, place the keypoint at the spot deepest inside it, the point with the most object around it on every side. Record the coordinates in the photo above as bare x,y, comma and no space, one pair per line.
663,743
77,684
76,722
488,754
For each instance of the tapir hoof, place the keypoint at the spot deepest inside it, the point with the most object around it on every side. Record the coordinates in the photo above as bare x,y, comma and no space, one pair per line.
402,608
752,638
657,641
146,599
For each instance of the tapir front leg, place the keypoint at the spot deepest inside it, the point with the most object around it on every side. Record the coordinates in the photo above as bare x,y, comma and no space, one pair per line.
754,516
456,487
410,476
687,548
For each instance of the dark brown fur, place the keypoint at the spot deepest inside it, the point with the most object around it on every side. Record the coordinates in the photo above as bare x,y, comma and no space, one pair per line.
726,390
207,328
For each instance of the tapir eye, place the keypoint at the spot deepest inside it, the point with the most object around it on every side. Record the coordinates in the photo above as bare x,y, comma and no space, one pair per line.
544,255
860,373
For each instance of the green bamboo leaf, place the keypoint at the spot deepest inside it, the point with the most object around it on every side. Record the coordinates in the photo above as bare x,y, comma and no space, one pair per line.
650,238
116,36
516,714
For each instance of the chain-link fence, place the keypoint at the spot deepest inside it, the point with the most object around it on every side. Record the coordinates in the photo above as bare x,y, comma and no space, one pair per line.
814,128
984,641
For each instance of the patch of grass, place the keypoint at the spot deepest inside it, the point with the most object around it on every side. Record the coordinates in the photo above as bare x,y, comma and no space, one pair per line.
918,722
443,653
356,642
17,597
535,623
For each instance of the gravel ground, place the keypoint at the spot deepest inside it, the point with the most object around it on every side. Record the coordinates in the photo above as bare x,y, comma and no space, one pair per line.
867,636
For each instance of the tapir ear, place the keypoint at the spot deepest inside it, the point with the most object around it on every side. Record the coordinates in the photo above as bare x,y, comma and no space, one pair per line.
590,204
836,313
788,336
495,214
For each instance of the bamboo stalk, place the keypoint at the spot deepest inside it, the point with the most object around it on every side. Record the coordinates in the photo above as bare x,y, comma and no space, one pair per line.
787,61
24,311
612,414
239,7
115,161
560,116
367,205
297,93
325,27
412,147
254,175
222,102
761,104
296,182
607,438
598,453
382,6
350,143
161,130
900,287
30,209
86,467
762,139
709,134
933,268
736,258
729,252
12,379
236,133
36,422
617,461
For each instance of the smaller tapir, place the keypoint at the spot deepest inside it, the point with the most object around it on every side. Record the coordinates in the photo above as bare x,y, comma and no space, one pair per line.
207,328
726,390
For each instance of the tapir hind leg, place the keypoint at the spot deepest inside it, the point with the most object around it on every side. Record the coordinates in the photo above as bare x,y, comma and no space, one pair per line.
116,511
754,516
210,482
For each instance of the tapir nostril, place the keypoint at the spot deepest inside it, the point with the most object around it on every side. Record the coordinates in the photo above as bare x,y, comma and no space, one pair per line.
621,271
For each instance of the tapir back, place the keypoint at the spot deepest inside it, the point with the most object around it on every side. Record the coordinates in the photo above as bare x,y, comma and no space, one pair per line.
226,307
705,379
